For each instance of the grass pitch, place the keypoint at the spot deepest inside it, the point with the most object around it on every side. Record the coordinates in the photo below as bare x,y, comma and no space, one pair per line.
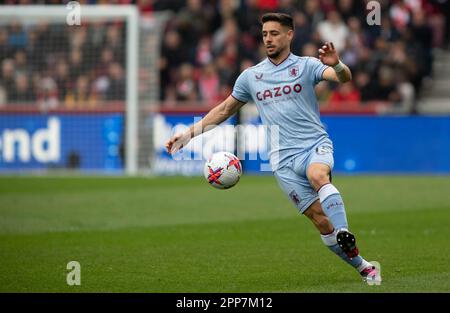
178,234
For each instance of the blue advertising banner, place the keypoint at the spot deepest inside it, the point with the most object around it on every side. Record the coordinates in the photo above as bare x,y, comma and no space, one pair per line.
379,144
409,144
363,144
87,142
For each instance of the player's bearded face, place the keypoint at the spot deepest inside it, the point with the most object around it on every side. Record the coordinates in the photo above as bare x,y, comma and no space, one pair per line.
275,38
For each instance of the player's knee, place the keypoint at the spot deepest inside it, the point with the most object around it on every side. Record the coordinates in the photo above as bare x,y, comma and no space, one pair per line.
319,177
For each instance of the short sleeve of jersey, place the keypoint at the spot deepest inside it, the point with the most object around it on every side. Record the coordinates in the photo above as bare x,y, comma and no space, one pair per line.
316,69
241,90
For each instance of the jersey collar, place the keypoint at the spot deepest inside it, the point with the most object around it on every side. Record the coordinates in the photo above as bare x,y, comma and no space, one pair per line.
289,57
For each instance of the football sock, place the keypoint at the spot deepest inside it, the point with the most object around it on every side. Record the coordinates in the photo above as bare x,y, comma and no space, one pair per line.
330,241
333,206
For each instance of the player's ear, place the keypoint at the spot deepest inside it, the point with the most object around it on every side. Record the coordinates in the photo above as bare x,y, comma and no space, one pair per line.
290,34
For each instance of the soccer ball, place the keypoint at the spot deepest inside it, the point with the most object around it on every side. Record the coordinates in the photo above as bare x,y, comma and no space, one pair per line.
223,170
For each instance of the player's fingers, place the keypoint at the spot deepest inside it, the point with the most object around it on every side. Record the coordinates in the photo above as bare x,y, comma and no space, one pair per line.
332,46
329,47
170,143
172,149
176,147
168,147
325,46
321,51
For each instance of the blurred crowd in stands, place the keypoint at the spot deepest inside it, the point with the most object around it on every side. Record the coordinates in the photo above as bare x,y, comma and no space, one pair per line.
207,43
54,65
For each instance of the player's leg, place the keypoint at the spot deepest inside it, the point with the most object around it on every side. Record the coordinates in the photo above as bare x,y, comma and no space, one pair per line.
340,241
305,199
318,171
319,176
319,219
328,234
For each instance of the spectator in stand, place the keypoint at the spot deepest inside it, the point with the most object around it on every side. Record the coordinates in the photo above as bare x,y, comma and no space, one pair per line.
62,79
385,88
286,6
247,17
7,75
303,31
115,42
209,84
192,23
47,93
387,31
21,93
365,87
313,12
400,15
116,86
345,95
21,63
423,37
355,43
107,57
204,54
186,88
225,36
76,64
406,91
81,97
17,38
225,72
172,56
349,9
334,29
5,48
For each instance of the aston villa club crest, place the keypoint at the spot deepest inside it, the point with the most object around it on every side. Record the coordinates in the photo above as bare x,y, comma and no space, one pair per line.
294,197
258,76
293,71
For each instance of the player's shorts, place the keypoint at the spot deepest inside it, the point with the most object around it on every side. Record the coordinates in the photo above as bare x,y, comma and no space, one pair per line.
292,177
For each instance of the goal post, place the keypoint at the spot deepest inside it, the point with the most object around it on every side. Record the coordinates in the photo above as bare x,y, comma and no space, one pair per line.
30,15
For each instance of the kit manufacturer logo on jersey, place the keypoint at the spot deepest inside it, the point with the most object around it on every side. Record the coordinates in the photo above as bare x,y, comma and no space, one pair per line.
293,71
258,76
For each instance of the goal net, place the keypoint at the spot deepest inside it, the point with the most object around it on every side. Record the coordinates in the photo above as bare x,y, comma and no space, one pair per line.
77,85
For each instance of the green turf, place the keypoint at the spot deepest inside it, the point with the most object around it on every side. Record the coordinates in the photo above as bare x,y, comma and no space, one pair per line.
181,235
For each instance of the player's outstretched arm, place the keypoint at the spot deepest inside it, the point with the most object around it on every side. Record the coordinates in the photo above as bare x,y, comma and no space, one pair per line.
337,72
214,117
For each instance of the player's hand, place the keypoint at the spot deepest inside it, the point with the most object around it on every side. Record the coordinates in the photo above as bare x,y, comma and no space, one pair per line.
328,54
177,142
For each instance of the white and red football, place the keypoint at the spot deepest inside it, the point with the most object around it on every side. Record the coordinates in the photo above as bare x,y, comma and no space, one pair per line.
223,170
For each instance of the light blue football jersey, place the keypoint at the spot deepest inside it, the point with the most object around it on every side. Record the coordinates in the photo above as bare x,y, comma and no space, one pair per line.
287,104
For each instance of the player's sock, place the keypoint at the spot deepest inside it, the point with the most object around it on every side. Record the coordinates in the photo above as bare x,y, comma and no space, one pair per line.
331,242
333,206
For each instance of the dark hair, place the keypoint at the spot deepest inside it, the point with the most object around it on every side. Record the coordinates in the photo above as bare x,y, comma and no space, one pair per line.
282,18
